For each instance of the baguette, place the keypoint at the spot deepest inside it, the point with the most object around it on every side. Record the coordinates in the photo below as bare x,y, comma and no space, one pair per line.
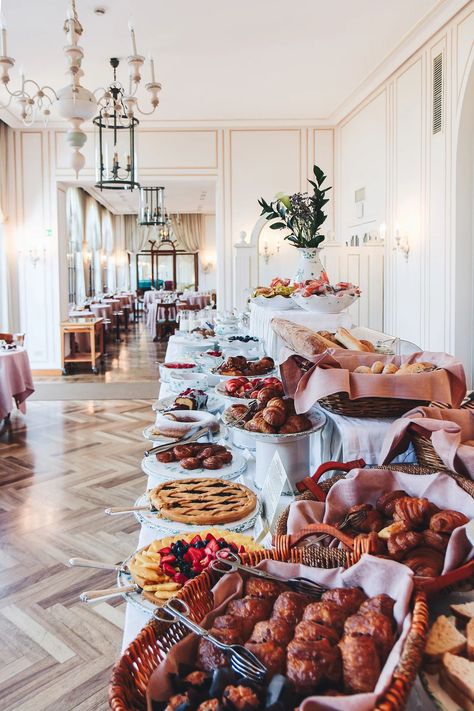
300,339
345,338
457,679
443,637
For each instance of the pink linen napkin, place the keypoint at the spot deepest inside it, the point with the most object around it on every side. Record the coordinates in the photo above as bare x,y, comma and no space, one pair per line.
448,429
364,486
374,576
332,372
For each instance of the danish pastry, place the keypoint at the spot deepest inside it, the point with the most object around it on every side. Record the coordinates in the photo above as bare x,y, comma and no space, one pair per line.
412,510
290,606
446,521
400,543
375,625
360,664
424,561
386,503
312,663
348,599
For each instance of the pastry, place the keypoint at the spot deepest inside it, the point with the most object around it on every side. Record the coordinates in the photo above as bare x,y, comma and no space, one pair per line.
240,698
414,368
424,561
313,632
386,503
326,613
166,457
377,367
412,510
360,664
191,399
379,603
275,630
363,369
446,521
395,527
372,521
296,423
271,654
259,587
390,369
438,541
349,341
375,625
370,348
400,543
190,463
203,501
275,412
250,610
290,606
313,663
348,599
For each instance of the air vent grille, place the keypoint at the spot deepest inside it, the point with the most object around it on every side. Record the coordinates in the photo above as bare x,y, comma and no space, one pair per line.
438,94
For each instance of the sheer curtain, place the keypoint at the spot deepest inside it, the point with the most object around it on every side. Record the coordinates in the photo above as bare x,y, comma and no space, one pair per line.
189,231
75,231
108,245
5,293
93,236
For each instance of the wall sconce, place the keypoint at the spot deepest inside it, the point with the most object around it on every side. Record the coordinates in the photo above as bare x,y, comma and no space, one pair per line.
402,244
266,253
207,267
35,256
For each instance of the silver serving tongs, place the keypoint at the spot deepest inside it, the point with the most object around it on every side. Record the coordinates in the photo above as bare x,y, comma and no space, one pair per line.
242,660
229,562
183,440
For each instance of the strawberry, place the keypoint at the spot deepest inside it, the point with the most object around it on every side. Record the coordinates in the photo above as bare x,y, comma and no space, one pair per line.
212,547
168,559
210,537
168,570
180,578
165,551
197,539
241,549
195,554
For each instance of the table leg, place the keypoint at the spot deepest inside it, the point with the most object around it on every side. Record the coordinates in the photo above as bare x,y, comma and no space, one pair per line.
125,315
117,327
93,336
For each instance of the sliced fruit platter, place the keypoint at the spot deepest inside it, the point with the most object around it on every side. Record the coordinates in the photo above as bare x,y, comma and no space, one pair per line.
160,569
321,296
275,296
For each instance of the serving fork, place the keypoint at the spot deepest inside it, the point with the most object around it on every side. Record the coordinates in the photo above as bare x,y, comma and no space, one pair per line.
183,440
241,659
350,519
230,563
251,409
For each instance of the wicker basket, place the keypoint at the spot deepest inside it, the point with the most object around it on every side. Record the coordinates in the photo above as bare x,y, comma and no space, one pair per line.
341,404
284,542
131,674
425,452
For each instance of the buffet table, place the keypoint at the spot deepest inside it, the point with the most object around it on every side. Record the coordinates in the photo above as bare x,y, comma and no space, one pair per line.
260,320
16,381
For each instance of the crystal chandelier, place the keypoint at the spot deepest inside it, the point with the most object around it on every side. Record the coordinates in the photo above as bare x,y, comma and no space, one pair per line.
73,102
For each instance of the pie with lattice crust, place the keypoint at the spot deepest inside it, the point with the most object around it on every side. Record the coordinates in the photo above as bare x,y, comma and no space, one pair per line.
203,501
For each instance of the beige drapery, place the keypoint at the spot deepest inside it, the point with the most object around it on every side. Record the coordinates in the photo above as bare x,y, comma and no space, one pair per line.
107,231
93,224
136,237
75,218
188,230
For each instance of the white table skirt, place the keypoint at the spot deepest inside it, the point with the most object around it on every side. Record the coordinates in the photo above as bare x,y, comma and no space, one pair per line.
16,381
261,317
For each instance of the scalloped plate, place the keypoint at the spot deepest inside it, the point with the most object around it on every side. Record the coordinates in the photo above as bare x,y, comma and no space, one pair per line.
166,472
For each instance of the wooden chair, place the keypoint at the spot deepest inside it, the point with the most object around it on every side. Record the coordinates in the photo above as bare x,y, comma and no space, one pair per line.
164,327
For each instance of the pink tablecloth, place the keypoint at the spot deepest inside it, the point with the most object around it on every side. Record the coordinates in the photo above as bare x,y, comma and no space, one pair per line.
152,316
16,381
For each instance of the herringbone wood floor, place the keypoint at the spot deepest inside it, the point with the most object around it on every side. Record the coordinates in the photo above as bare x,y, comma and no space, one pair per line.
59,467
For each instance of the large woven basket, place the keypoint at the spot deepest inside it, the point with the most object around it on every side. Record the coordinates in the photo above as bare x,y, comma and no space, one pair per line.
341,404
131,674
354,550
421,440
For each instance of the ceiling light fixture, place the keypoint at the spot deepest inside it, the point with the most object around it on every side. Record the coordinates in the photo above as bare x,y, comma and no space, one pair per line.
151,210
73,102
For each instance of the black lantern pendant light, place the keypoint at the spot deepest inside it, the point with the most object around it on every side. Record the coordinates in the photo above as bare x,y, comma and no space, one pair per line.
152,207
116,167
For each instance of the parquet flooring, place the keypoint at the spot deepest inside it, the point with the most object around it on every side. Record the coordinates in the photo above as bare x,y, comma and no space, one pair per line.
60,466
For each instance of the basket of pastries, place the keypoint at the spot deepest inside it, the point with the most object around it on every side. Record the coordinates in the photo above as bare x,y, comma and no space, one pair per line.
420,521
373,385
360,639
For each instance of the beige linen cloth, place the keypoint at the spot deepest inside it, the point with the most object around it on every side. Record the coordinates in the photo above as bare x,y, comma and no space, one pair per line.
332,372
447,429
373,575
366,485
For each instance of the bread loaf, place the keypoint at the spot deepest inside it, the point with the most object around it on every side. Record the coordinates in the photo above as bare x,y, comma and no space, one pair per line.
300,339
346,338
414,368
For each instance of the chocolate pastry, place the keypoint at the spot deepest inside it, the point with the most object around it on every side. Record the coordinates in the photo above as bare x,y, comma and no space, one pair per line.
166,457
259,587
240,698
214,462
326,613
424,561
275,630
413,511
290,606
375,625
229,622
212,450
348,599
372,521
400,543
438,541
379,603
190,463
182,451
386,503
210,657
225,456
360,664
310,664
271,654
250,610
314,632
446,521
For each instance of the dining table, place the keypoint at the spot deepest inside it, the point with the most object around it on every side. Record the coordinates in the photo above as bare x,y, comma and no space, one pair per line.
16,380
197,299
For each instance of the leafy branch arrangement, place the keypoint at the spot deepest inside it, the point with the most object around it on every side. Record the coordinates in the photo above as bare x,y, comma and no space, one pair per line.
302,214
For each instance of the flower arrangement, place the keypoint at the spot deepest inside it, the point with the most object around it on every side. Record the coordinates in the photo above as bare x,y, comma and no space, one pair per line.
302,213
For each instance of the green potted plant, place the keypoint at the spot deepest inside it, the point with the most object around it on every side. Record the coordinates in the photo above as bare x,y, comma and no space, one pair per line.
302,215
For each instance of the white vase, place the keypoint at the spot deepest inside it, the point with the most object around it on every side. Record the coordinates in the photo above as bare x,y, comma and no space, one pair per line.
310,266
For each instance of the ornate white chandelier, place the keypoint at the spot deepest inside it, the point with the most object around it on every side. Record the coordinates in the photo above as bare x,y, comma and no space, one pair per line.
73,102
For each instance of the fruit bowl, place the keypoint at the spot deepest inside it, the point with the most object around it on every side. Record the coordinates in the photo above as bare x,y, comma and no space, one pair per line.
325,303
279,303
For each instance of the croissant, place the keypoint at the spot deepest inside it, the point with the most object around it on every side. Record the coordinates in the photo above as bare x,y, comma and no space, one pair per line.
265,395
413,511
258,424
425,562
386,503
275,412
446,521
400,543
296,423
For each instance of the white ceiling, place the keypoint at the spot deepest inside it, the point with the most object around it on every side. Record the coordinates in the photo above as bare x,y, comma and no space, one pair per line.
220,60
181,195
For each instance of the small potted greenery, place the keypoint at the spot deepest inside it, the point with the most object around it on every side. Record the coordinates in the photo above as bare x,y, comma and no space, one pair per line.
302,215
